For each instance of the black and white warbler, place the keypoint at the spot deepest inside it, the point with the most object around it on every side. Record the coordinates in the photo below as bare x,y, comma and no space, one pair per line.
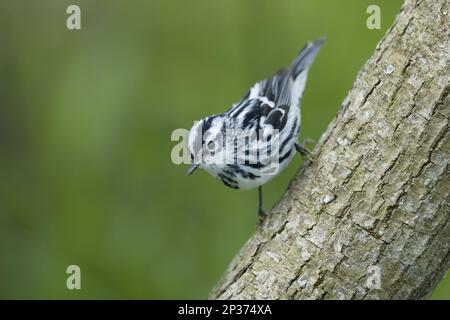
255,139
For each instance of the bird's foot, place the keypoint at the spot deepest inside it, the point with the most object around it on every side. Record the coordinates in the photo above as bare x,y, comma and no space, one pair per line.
262,215
303,150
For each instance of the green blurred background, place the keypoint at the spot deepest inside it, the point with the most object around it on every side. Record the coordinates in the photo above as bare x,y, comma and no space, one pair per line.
85,124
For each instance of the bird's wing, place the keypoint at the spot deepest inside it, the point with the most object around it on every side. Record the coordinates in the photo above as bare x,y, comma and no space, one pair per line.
268,101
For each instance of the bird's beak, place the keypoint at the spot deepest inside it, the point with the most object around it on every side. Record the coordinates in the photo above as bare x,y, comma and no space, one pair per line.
192,168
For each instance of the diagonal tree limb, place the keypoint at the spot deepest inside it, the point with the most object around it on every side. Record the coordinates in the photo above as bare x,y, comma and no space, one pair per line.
376,199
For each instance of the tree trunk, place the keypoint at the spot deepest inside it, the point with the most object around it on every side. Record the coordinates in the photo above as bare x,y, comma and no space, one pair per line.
374,204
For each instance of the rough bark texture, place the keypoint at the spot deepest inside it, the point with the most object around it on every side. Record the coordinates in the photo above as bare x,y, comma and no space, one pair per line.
377,193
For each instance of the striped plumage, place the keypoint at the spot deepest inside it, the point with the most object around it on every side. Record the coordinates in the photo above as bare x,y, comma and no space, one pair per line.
232,146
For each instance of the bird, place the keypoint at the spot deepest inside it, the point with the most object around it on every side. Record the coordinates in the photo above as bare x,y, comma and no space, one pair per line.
255,139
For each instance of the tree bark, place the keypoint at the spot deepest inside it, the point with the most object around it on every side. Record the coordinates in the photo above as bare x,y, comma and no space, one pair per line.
377,194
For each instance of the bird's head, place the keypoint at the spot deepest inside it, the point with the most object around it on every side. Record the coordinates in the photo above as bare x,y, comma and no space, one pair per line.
205,143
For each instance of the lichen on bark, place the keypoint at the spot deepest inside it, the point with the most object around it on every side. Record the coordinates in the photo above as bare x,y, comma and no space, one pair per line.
377,193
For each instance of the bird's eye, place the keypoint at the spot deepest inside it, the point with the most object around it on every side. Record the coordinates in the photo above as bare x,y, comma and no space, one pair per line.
211,145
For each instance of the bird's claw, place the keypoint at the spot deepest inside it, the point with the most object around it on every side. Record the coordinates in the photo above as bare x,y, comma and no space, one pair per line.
303,150
262,215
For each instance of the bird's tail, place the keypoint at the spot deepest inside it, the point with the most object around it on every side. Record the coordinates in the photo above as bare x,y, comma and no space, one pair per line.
306,57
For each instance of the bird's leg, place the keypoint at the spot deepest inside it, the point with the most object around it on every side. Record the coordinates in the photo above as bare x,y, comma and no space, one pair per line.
303,150
261,213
